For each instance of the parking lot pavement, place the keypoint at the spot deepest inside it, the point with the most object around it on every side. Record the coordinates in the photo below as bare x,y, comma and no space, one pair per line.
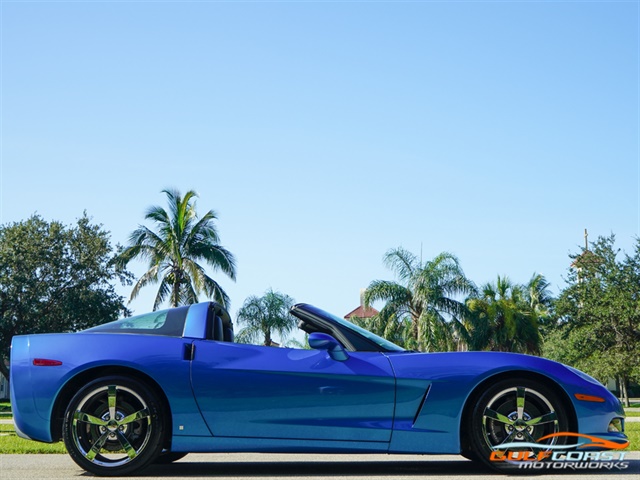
234,466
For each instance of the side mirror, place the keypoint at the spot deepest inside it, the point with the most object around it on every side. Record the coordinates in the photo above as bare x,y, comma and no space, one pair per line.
323,341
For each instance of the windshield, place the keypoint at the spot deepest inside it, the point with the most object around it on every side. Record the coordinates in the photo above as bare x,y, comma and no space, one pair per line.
381,342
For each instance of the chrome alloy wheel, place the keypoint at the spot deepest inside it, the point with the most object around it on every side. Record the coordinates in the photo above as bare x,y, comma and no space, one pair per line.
519,414
111,426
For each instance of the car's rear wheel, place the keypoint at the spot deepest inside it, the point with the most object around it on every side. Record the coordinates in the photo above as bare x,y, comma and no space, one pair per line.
114,426
512,416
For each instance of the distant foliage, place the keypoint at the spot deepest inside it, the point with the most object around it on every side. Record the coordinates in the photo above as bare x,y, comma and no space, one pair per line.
506,316
597,327
265,316
55,278
421,307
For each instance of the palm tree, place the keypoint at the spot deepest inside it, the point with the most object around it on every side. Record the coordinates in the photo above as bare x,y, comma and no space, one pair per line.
176,250
264,316
538,295
505,315
425,297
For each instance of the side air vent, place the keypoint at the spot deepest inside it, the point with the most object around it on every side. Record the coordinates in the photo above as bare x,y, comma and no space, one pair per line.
419,411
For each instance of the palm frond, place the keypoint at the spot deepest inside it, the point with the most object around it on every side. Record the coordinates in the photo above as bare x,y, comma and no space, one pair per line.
150,276
217,293
403,262
382,290
204,230
163,291
157,214
216,256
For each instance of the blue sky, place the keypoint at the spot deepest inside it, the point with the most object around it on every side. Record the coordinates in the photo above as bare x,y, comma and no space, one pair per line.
326,133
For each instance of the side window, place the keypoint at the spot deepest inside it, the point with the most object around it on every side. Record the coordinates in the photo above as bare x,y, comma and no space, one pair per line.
163,322
149,321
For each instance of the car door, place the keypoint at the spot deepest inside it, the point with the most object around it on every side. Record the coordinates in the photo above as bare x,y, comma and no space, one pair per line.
285,393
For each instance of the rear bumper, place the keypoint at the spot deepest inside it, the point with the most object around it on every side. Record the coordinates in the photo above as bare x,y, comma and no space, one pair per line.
21,434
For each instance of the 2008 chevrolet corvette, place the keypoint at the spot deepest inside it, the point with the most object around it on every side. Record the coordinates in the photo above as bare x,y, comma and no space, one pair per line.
154,387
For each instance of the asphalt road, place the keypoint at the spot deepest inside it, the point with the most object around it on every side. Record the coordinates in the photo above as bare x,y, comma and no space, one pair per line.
308,467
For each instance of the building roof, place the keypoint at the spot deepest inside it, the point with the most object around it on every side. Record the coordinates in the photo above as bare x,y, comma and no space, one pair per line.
361,312
586,258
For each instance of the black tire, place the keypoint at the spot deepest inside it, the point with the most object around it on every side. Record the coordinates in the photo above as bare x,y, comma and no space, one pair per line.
515,411
170,457
106,446
469,455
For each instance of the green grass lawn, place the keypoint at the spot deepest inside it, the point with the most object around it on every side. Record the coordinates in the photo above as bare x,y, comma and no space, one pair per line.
10,443
5,410
633,432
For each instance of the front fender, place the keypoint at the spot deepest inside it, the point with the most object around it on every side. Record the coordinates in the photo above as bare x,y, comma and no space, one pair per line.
434,389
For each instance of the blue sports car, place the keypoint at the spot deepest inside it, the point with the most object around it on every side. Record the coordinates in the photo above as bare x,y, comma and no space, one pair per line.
153,387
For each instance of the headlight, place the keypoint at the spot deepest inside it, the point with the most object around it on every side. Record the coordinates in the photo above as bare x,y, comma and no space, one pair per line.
616,425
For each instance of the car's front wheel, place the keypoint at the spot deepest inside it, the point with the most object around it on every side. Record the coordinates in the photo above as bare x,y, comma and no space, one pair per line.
510,418
114,426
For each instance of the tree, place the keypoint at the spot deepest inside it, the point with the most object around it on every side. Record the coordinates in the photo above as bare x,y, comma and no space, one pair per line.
55,279
537,295
173,251
425,297
504,316
264,316
597,325
540,302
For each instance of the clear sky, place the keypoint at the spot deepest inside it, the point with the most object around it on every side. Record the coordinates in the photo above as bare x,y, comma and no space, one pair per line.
325,133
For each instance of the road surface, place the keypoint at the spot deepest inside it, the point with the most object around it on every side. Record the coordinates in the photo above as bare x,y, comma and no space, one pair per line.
228,466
